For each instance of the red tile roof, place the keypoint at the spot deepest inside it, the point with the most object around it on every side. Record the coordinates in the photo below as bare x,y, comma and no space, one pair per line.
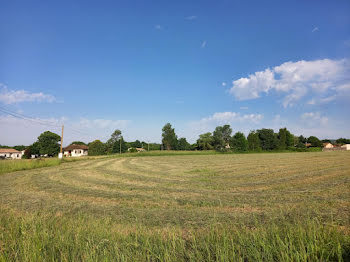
8,150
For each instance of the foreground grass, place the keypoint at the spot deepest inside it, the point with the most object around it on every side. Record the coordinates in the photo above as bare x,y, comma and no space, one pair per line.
56,238
217,207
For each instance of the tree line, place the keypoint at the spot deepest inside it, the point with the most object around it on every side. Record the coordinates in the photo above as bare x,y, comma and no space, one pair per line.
221,139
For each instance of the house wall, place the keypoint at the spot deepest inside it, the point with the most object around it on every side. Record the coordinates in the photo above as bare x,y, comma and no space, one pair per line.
329,146
12,155
76,153
347,146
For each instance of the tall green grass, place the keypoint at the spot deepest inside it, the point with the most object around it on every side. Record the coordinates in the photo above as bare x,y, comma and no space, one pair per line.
48,237
7,166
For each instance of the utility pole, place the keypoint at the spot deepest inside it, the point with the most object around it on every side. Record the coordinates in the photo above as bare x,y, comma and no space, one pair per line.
60,156
148,146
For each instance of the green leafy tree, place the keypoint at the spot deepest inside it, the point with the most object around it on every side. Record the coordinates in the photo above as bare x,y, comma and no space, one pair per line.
282,137
222,136
97,148
342,141
205,141
239,142
268,139
289,139
182,144
169,138
31,150
48,143
253,141
136,144
19,148
314,141
120,145
116,135
302,139
78,143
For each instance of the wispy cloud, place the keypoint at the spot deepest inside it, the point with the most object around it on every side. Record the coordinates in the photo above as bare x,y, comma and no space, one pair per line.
204,43
158,27
8,96
314,119
191,17
319,79
315,29
224,84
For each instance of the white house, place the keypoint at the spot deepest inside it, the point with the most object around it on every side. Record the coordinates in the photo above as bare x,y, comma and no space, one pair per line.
10,153
327,145
346,146
76,150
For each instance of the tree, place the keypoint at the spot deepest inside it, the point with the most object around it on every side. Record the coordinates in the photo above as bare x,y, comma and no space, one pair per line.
182,144
97,148
253,141
222,136
268,140
302,139
78,143
115,136
205,141
136,144
120,146
31,150
169,138
314,141
48,143
342,141
289,139
282,137
19,148
239,142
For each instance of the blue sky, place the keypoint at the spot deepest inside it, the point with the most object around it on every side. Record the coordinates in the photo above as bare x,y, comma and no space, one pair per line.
135,65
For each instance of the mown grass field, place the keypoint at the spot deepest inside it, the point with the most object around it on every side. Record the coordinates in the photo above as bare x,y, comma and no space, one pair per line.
216,207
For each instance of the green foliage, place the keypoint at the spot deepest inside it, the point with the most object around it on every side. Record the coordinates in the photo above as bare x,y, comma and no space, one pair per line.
169,138
268,140
253,141
302,139
110,144
342,141
48,143
222,136
120,145
182,144
289,139
19,148
78,143
239,143
205,141
282,137
314,141
136,144
97,148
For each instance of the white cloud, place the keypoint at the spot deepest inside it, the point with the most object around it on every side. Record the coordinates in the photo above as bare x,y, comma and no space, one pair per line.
191,17
204,43
234,119
223,83
158,27
295,80
8,96
314,119
315,29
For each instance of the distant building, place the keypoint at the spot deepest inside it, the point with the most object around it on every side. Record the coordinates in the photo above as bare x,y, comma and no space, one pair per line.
346,146
10,153
138,149
76,150
327,145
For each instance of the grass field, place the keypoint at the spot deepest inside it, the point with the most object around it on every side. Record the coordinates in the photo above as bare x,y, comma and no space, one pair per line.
216,207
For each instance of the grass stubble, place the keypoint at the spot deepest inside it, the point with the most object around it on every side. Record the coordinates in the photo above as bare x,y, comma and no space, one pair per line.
214,207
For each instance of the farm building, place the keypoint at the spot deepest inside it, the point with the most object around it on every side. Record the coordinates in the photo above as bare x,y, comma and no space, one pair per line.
346,146
10,153
76,150
327,145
